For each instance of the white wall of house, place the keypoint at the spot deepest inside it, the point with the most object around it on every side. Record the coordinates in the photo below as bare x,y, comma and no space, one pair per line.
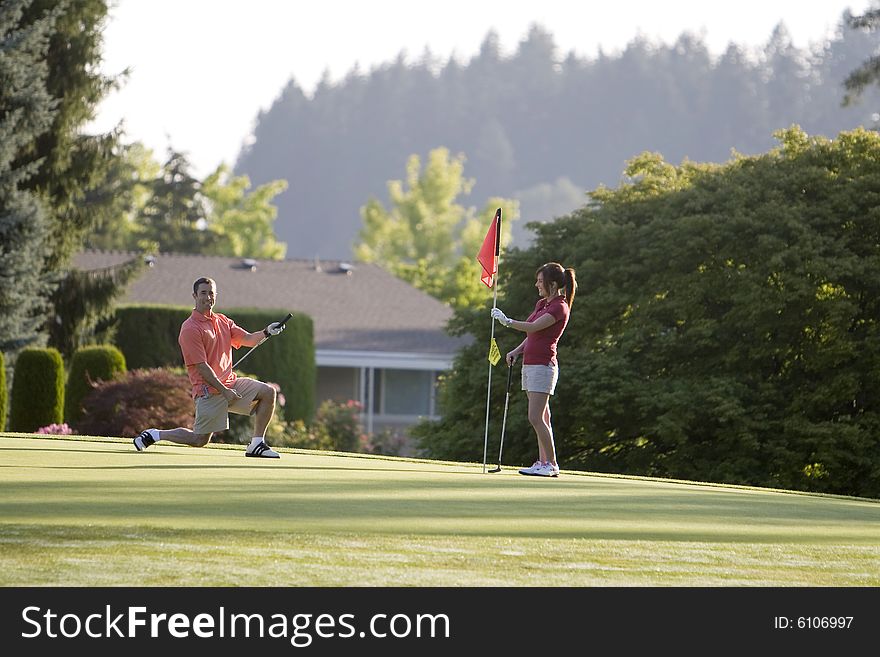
395,390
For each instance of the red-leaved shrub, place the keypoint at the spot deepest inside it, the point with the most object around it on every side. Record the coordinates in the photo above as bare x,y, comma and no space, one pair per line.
138,400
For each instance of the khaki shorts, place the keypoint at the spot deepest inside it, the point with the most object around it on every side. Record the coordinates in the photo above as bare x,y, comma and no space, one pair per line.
212,414
539,378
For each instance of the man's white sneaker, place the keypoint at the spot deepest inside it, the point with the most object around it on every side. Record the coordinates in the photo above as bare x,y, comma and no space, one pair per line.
262,450
531,469
145,438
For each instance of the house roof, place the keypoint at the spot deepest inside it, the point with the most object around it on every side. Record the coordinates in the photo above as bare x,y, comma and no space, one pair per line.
359,308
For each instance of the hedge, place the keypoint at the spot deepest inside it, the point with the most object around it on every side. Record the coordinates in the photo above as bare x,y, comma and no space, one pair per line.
37,390
4,400
287,359
89,365
147,336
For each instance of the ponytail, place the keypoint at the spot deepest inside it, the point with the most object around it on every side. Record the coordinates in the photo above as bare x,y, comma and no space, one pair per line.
571,285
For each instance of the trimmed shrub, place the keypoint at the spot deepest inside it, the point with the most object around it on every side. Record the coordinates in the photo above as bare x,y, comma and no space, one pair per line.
88,366
37,390
147,335
287,359
4,394
135,401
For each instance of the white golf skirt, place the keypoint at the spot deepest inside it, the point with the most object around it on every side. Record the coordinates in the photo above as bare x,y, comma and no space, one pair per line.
540,378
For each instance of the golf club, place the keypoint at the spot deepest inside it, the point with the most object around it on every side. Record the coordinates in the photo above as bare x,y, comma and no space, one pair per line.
504,419
282,323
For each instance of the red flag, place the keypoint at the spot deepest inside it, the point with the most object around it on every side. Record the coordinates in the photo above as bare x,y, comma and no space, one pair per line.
488,255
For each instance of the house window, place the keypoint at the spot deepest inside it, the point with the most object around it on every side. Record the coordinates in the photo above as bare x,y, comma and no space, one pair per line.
339,383
405,392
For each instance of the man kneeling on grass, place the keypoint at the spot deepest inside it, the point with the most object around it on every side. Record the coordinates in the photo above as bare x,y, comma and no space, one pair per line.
206,341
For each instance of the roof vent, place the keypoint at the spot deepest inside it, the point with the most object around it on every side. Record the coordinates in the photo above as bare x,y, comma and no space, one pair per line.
346,268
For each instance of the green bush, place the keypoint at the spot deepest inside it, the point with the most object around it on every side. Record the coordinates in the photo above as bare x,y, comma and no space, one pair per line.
389,442
87,366
3,392
280,433
287,359
336,428
340,422
37,390
147,335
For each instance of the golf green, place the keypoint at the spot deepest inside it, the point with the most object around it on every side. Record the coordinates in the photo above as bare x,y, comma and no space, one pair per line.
93,511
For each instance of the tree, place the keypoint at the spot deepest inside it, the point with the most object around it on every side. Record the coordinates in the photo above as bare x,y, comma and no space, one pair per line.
735,112
53,90
242,221
144,205
175,218
120,197
787,88
427,239
726,329
536,116
26,112
831,66
86,299
67,163
869,71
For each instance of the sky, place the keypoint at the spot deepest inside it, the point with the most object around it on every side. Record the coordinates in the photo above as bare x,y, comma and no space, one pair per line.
200,71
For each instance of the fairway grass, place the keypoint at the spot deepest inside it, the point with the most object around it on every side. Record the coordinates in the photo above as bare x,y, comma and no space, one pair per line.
94,512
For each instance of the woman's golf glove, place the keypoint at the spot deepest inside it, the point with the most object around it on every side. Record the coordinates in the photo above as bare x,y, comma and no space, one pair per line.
501,317
273,329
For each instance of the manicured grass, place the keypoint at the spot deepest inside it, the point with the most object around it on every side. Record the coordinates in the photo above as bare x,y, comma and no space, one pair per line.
93,512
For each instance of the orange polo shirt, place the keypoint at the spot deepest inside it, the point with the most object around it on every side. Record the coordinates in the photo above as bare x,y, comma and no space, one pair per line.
209,340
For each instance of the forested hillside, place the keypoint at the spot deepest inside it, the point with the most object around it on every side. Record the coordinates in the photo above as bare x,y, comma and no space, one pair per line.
538,124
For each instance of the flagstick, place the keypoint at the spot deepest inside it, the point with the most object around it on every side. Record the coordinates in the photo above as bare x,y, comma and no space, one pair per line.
489,387
496,260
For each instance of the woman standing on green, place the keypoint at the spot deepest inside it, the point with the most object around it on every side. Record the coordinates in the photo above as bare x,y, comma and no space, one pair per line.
556,286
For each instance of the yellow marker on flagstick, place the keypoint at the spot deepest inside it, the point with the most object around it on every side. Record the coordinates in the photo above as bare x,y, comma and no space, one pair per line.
494,352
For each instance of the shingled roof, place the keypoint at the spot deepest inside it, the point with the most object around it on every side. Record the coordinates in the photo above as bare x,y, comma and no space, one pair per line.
354,308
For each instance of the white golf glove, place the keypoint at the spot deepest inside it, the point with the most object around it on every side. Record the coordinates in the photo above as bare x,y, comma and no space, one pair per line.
501,317
273,329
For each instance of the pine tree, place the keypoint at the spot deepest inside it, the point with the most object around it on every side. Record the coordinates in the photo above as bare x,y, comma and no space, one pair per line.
26,112
869,71
68,163
54,51
174,219
84,300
